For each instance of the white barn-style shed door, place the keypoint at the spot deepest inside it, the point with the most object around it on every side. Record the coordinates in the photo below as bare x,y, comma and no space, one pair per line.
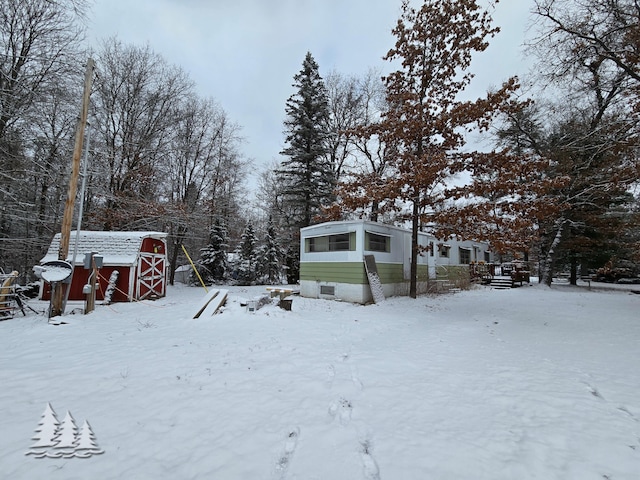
151,281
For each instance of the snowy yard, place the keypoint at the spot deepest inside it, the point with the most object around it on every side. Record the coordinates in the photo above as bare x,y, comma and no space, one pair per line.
529,383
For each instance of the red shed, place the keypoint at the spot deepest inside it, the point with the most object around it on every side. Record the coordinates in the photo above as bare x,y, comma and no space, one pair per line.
139,257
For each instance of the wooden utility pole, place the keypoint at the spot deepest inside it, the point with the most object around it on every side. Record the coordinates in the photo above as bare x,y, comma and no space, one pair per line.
57,295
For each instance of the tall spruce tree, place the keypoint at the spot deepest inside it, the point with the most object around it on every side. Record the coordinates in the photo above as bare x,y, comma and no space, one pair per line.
305,179
270,256
247,257
306,176
213,257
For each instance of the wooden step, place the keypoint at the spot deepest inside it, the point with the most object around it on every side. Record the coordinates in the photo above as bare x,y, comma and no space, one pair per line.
501,283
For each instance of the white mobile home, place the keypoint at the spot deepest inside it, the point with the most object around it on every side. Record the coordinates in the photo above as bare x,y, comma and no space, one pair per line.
332,259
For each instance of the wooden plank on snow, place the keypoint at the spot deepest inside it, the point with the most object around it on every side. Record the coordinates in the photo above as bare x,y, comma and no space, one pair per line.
205,302
215,304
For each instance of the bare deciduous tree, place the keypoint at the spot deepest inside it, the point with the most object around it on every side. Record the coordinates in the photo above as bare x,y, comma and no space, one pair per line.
35,38
39,41
346,106
137,98
201,173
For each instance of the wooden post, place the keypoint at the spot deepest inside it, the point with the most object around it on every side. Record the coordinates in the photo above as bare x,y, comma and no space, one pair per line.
93,278
58,294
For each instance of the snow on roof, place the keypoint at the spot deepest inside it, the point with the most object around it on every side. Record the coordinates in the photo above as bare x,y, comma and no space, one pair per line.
346,226
116,248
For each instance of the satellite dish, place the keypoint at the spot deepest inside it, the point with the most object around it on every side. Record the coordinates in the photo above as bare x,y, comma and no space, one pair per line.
56,271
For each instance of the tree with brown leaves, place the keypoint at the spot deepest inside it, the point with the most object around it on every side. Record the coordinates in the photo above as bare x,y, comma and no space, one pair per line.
426,121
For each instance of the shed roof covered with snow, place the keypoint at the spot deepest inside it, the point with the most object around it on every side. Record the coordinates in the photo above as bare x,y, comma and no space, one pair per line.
116,248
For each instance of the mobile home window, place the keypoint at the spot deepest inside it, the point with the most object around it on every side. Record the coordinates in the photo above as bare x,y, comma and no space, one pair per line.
331,243
444,251
487,257
465,256
377,243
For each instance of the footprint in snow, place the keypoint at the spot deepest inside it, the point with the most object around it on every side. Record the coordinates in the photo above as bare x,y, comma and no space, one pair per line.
624,409
292,441
331,373
594,391
341,409
355,379
290,444
369,464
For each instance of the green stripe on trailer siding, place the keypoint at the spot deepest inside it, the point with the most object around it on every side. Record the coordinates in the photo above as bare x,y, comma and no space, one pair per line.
394,273
390,273
423,273
452,272
355,273
335,272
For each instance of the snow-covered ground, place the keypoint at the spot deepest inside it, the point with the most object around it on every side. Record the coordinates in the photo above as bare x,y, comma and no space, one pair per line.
529,383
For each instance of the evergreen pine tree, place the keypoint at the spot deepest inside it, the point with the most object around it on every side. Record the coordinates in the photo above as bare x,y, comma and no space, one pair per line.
306,180
213,257
270,258
247,257
306,175
292,261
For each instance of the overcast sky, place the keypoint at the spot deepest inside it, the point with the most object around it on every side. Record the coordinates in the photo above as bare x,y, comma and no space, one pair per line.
244,53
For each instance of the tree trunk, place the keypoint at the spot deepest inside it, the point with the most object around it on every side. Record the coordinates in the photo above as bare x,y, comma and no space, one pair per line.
374,211
413,283
546,268
173,258
573,278
42,208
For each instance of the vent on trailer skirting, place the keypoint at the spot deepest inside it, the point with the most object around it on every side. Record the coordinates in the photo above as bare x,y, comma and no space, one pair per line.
327,290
